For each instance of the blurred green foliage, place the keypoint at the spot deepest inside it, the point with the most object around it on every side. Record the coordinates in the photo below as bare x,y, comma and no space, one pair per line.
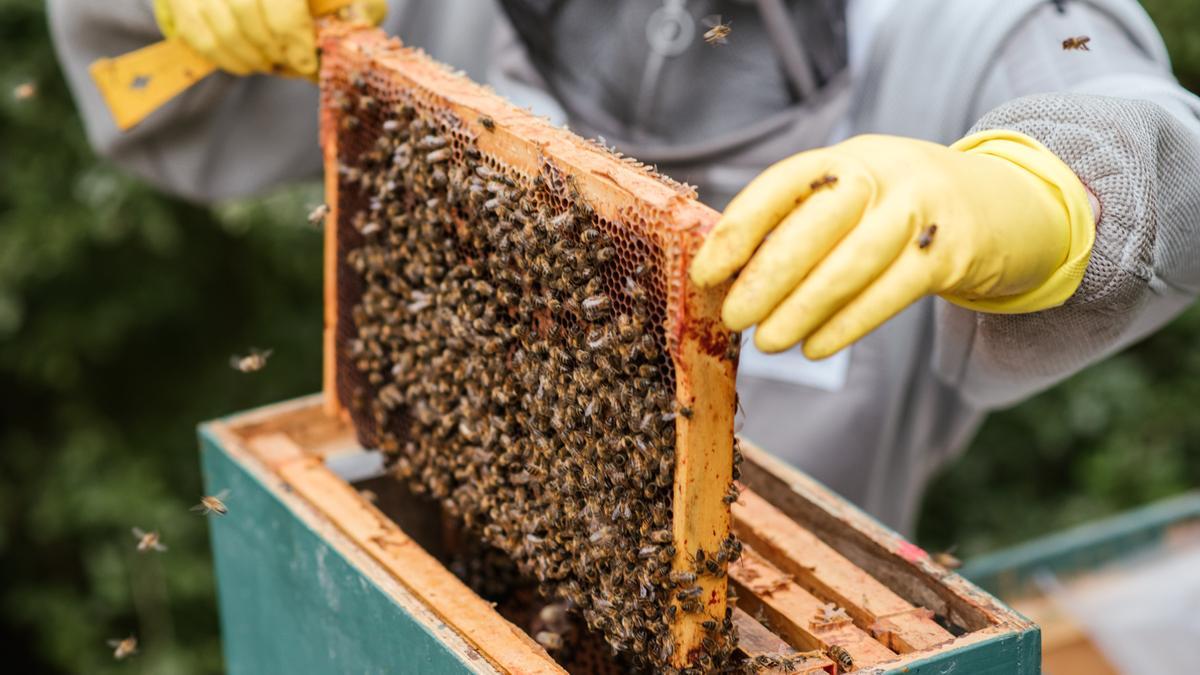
119,309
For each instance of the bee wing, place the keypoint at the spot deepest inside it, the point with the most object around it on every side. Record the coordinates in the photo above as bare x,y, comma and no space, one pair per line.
160,547
138,532
199,507
222,494
114,643
711,21
235,362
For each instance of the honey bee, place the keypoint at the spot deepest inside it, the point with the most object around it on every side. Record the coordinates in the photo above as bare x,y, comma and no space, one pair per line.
253,362
718,31
317,215
123,649
24,91
827,180
1079,43
487,122
841,657
551,641
682,577
947,559
148,541
925,238
732,493
212,504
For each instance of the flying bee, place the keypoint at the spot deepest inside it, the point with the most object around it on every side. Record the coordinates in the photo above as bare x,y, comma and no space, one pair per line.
317,215
253,362
123,649
148,541
24,91
828,180
1078,43
718,31
925,238
212,504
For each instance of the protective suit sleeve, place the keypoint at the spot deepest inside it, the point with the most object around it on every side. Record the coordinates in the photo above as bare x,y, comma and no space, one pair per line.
1132,135
231,136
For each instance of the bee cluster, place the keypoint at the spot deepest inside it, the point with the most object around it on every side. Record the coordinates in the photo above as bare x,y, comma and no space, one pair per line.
504,345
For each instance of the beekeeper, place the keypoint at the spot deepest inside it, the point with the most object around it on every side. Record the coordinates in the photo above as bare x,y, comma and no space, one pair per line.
1026,203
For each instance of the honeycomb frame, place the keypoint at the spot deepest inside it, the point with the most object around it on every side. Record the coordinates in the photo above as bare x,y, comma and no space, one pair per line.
620,191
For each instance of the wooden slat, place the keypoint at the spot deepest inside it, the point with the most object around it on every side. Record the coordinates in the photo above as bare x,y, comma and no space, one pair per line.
703,465
829,575
507,647
885,555
794,613
756,640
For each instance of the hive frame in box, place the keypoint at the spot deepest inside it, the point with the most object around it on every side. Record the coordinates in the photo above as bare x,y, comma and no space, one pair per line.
620,191
313,577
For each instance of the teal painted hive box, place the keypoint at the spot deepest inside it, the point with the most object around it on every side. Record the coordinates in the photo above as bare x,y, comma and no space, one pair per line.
324,565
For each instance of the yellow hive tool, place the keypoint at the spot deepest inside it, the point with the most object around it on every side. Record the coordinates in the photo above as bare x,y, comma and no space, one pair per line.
140,82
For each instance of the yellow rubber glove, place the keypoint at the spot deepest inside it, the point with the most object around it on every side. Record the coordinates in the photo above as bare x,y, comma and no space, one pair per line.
253,36
833,242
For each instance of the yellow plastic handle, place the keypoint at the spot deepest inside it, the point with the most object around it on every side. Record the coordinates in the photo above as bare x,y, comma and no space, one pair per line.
140,82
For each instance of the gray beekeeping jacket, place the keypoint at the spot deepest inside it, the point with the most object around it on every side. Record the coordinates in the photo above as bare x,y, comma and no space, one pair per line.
875,421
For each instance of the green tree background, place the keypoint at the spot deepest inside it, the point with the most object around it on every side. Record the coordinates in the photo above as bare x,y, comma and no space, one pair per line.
119,308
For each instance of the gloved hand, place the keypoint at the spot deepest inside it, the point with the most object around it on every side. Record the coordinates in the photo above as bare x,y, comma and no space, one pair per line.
831,243
254,36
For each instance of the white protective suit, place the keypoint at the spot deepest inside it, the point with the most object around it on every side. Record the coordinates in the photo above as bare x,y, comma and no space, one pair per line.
875,421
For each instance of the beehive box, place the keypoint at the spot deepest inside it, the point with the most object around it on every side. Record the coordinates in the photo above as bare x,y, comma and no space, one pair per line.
315,575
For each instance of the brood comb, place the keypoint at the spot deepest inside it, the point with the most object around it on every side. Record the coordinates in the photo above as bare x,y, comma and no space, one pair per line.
509,318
